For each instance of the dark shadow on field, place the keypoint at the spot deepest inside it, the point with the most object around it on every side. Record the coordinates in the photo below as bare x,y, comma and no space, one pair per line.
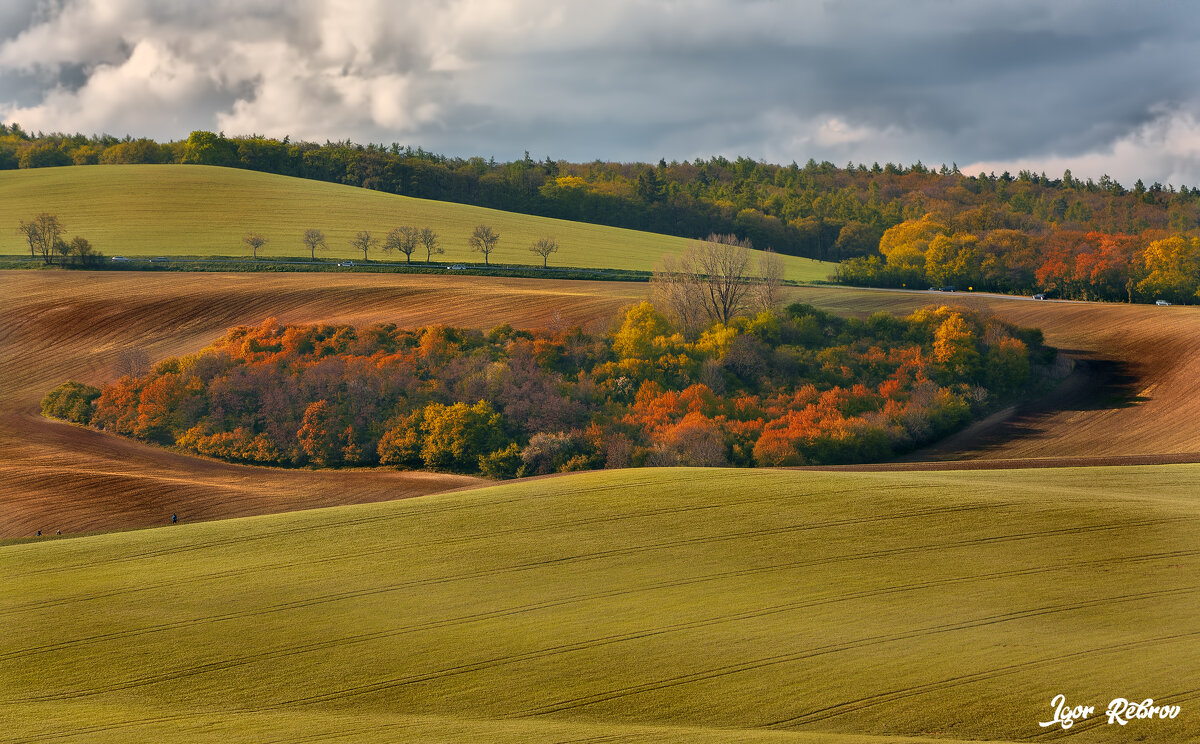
1093,385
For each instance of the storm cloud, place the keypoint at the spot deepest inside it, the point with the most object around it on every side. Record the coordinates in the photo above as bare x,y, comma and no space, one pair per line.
1092,86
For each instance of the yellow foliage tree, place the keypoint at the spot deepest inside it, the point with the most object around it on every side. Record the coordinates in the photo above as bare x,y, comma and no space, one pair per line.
953,259
905,244
642,325
955,346
1172,268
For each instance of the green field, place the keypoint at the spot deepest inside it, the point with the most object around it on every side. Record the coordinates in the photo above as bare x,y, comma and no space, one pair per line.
646,605
192,210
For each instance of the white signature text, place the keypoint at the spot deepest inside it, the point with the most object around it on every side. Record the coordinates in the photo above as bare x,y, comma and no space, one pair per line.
1120,711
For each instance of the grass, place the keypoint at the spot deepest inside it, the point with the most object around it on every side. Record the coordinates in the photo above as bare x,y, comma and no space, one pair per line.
188,210
651,605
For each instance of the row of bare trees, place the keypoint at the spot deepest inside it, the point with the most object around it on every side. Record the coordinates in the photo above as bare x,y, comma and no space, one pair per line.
408,240
717,279
484,240
45,232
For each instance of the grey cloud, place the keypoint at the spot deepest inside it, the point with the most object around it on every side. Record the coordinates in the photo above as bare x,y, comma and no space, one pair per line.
995,82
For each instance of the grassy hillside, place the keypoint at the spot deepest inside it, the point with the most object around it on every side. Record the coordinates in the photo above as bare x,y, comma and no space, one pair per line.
153,210
670,605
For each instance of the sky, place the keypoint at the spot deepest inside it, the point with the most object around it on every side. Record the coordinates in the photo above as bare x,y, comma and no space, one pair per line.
1097,87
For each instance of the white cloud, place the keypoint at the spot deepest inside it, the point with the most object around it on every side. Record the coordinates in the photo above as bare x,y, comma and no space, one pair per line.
1166,149
835,131
152,87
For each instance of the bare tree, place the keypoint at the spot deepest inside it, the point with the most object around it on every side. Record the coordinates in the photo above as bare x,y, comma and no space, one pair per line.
709,282
133,362
82,248
429,240
767,291
254,241
29,230
314,239
676,289
544,247
725,262
403,239
363,242
43,233
483,240
63,249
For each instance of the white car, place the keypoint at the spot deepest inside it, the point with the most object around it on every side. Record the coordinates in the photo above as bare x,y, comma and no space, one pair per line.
346,263
1161,303
119,258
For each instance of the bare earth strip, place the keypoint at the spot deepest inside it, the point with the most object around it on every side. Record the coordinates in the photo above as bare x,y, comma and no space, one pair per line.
56,326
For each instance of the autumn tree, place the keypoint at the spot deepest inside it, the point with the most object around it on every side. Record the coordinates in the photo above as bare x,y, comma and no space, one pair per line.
429,241
544,247
317,436
1172,268
404,240
483,240
254,241
456,436
904,245
364,242
951,259
314,239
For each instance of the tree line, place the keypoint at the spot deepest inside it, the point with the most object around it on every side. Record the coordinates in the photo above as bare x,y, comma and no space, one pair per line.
817,210
1029,232
1071,264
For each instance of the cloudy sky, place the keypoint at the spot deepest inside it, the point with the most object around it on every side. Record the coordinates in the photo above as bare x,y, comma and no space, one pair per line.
1097,87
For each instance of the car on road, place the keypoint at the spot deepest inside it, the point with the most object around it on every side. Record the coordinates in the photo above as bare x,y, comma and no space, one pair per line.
346,263
119,259
1039,296
1161,303
159,259
457,267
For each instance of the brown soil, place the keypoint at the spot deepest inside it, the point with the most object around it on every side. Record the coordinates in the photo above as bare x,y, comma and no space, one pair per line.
56,326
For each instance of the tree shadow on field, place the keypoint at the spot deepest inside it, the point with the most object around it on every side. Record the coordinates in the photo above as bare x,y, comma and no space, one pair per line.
1094,384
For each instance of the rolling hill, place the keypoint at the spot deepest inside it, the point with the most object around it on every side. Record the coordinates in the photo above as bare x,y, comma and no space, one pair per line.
647,605
192,210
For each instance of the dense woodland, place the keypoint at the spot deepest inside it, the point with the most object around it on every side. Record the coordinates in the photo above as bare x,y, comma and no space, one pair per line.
789,388
1074,238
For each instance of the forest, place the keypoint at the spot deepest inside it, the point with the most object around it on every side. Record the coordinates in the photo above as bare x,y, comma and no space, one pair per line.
795,387
1069,237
